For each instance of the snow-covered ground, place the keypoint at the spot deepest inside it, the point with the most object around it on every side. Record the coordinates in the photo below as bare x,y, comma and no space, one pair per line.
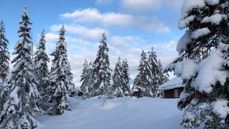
121,113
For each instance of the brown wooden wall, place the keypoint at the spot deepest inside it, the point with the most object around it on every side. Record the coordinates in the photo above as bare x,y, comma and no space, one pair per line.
171,93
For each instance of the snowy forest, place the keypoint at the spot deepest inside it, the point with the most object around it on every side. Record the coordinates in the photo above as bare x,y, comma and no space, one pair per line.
37,88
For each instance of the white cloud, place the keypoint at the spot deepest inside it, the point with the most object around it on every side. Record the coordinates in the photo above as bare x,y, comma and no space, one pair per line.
84,29
91,15
149,5
81,31
51,37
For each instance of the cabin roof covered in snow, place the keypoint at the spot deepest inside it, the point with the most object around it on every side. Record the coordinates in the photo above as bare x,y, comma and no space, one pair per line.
171,84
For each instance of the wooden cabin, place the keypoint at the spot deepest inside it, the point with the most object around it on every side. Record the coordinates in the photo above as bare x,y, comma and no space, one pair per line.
172,88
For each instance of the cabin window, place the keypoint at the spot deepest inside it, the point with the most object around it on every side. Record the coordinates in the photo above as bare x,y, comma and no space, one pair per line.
176,93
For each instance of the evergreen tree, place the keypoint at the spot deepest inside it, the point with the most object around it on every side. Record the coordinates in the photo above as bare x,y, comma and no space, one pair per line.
60,78
156,76
4,64
21,91
117,86
86,79
4,55
101,71
141,82
41,60
153,77
203,63
163,76
125,78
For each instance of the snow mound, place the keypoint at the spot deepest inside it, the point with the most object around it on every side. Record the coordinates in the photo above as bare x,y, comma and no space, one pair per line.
120,113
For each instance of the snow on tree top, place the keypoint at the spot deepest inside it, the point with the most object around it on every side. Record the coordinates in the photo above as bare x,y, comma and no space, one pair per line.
171,84
195,4
191,4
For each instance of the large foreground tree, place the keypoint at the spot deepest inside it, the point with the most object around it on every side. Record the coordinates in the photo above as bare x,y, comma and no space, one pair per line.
21,92
203,64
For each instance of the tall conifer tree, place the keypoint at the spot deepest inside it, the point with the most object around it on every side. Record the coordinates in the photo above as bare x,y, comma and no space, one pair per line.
41,71
86,79
116,87
125,77
155,75
4,55
101,70
21,91
4,64
60,78
120,79
141,82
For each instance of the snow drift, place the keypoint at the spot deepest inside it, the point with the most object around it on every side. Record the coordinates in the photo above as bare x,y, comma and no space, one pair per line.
121,113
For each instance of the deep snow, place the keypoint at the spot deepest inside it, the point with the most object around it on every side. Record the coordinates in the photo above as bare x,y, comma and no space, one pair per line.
121,113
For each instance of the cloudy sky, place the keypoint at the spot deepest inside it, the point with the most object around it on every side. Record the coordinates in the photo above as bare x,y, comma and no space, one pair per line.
130,25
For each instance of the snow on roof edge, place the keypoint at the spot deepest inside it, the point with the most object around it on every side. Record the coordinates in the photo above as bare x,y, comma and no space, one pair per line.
171,84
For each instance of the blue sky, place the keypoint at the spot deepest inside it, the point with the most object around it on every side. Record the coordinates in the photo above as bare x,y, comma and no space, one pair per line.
130,25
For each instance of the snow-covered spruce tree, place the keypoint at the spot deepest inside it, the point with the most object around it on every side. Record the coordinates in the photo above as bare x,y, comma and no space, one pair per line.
117,80
118,86
153,76
4,55
4,64
101,71
203,63
141,83
125,78
41,71
60,77
21,90
162,76
86,79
